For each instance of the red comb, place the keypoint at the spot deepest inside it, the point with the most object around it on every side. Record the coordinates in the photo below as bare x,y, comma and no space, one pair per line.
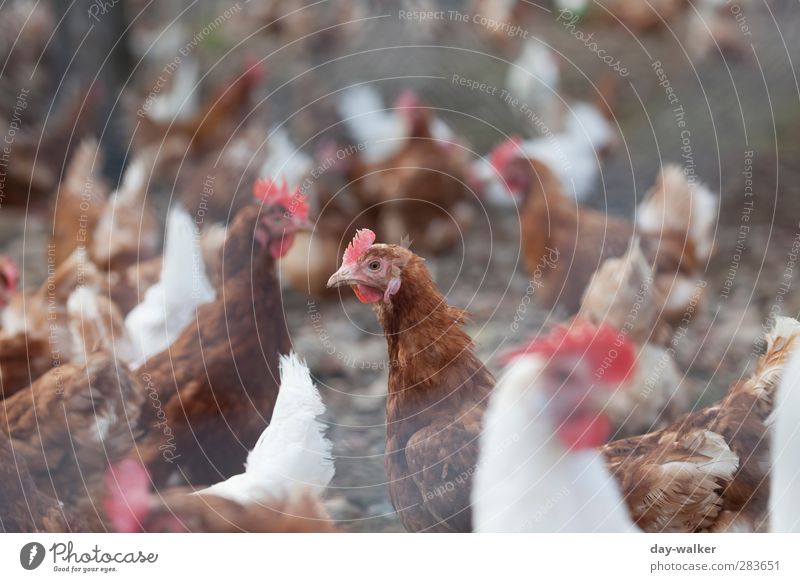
273,194
10,272
127,495
359,245
407,99
505,152
604,347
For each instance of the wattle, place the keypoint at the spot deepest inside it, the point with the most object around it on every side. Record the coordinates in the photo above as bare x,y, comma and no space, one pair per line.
367,294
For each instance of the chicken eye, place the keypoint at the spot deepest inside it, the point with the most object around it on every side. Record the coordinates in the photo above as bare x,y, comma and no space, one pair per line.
374,265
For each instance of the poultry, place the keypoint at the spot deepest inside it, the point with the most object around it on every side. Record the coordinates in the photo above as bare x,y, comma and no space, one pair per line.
338,214
36,327
170,305
563,244
539,468
214,388
708,471
534,79
784,498
25,509
437,391
417,179
80,199
41,152
95,323
72,422
689,235
211,126
622,294
639,16
279,491
127,231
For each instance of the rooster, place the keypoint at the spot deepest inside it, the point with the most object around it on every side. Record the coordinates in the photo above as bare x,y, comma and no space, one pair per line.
708,471
216,384
279,490
540,468
438,388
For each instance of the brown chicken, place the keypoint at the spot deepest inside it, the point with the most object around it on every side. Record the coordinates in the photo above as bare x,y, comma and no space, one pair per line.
438,388
216,384
563,244
25,509
708,471
131,507
211,126
9,279
72,422
420,190
80,199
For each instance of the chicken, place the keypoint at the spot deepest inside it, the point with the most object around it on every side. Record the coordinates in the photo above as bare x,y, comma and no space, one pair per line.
127,231
95,323
416,178
214,388
40,153
36,327
622,293
784,497
80,199
25,509
572,153
211,126
171,304
563,244
540,469
279,491
437,391
72,422
534,79
638,16
708,471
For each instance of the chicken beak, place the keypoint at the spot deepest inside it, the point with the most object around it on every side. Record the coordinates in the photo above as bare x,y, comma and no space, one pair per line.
340,277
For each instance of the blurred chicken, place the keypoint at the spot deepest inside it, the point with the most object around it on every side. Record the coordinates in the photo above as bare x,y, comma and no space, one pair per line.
217,382
72,422
127,231
171,304
638,16
539,468
279,490
709,471
413,170
25,509
9,279
534,79
563,244
213,123
41,152
95,324
80,199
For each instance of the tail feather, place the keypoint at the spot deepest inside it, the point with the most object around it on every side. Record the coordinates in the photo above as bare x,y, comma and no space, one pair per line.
781,341
293,452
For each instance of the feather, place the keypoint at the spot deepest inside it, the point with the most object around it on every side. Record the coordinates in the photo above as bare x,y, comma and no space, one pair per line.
169,305
292,453
785,451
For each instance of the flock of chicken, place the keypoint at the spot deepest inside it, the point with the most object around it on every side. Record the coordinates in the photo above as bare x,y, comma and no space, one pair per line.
153,387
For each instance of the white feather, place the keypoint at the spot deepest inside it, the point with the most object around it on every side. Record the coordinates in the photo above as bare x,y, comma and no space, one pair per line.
292,454
284,160
526,481
170,305
181,100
